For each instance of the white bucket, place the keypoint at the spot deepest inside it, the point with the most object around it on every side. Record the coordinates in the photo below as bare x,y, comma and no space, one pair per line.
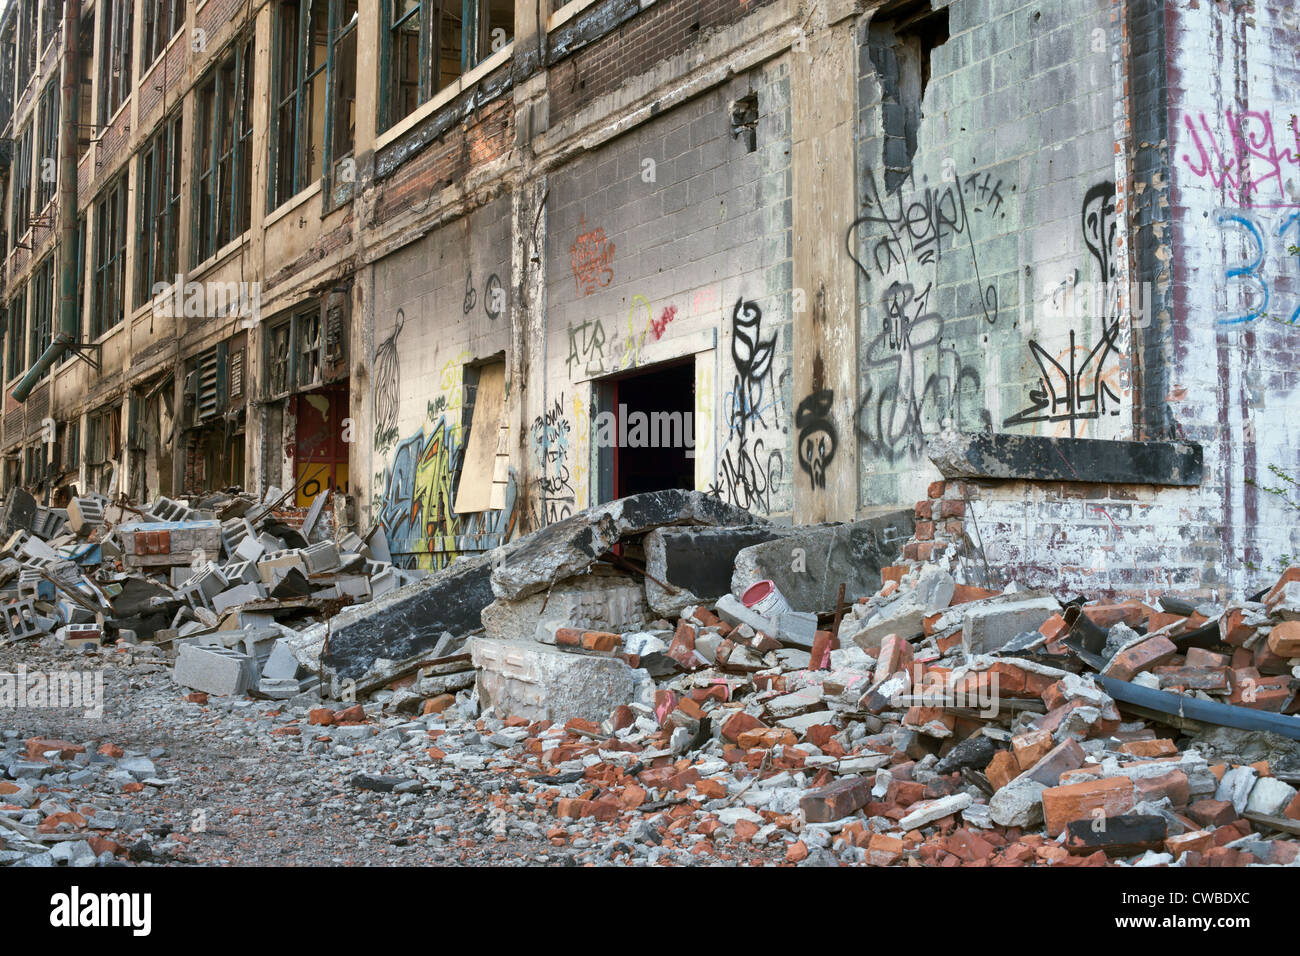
765,599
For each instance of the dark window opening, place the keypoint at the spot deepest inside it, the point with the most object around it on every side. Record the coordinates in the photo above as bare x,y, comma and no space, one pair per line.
653,433
429,44
115,60
109,293
901,38
47,152
159,199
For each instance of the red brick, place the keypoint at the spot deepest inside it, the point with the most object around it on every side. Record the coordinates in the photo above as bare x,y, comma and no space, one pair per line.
1002,769
1061,805
836,801
884,850
1212,813
1149,748
1284,639
936,489
1143,656
738,724
37,746
1031,747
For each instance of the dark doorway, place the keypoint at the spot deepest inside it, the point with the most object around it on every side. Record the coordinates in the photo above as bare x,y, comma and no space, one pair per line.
654,411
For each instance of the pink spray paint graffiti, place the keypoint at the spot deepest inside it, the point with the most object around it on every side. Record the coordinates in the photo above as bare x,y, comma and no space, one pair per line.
1250,163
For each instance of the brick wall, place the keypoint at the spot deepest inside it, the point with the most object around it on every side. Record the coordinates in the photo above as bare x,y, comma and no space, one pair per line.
666,28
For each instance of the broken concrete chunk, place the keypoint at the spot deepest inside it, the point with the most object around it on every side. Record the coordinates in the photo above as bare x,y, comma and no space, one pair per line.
987,627
213,670
539,682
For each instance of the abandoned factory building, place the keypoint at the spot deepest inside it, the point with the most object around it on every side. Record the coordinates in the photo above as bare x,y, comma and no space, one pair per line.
1025,269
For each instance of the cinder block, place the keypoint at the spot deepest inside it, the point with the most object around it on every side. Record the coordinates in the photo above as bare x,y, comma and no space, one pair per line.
236,596
321,557
20,620
85,514
213,670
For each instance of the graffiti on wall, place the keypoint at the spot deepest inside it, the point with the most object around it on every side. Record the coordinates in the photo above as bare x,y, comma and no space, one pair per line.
750,469
1247,159
556,496
818,438
915,382
591,257
897,234
1249,287
387,386
415,511
1081,384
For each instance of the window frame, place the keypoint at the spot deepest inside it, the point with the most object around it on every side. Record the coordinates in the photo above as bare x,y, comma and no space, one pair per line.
229,147
15,357
158,191
287,179
109,264
475,20
49,145
153,42
40,326
20,190
116,24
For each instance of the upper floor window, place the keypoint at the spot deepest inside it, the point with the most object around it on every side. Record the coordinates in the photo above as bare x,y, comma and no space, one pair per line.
115,57
51,14
16,341
47,150
26,44
42,308
20,195
223,143
429,44
159,201
163,19
314,92
108,288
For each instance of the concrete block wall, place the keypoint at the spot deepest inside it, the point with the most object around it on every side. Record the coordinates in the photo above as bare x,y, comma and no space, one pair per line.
434,312
674,241
967,269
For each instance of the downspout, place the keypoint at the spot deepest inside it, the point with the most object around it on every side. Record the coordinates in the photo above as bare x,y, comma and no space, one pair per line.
69,321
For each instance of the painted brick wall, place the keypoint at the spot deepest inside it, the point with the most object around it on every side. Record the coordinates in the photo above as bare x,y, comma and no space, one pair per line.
675,240
1234,383
433,313
967,270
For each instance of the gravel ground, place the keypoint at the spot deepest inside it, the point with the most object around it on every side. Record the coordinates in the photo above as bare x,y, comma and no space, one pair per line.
236,781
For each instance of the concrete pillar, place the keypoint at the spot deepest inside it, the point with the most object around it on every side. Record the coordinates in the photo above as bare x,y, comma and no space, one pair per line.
823,71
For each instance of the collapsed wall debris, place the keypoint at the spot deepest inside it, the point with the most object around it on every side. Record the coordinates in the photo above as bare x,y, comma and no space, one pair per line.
876,712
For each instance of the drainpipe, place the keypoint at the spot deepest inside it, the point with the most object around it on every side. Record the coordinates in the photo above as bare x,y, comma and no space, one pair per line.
69,321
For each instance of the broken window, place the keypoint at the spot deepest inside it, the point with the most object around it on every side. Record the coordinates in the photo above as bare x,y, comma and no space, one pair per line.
163,19
428,44
106,305
15,357
278,359
223,151
42,292
26,44
103,444
47,152
315,90
901,38
159,198
115,57
20,195
51,14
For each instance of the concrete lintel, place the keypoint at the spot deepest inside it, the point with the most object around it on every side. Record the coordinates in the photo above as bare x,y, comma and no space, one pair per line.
1041,458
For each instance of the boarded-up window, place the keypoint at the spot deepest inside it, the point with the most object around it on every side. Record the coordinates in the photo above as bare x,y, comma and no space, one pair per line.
486,458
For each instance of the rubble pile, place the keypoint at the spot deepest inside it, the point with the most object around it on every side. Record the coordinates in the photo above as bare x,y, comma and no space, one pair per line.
214,583
666,679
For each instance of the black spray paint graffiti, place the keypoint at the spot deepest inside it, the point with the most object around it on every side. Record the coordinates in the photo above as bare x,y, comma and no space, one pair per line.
901,231
749,471
895,417
916,381
1071,390
818,438
494,297
471,297
586,348
555,495
387,391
